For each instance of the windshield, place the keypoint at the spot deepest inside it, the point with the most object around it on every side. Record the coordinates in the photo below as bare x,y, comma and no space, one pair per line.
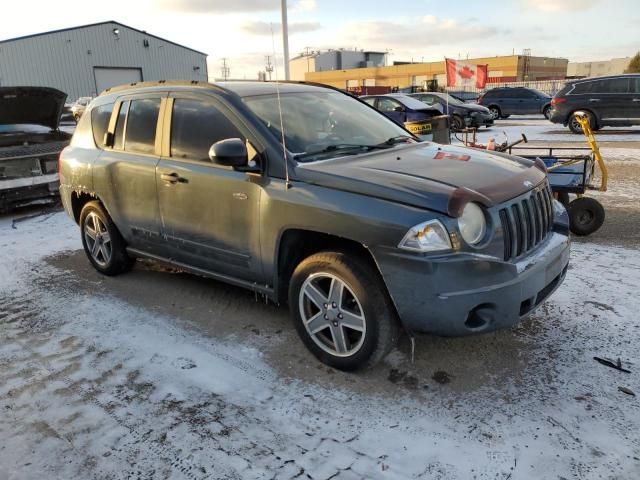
452,100
314,121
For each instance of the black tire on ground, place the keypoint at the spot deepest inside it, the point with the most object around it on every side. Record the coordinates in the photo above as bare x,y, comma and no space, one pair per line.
94,218
495,112
457,123
364,295
547,112
563,198
586,215
505,116
575,127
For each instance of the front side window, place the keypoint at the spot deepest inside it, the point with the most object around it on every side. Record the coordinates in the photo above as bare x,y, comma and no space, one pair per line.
318,119
100,117
195,126
387,105
371,101
142,122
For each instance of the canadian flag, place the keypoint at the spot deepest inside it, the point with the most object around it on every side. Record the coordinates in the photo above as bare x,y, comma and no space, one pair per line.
460,74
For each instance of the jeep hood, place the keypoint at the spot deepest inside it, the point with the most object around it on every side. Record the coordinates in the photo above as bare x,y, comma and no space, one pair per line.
427,175
31,105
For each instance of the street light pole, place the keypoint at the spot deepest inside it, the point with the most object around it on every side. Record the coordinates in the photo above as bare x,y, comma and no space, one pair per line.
285,39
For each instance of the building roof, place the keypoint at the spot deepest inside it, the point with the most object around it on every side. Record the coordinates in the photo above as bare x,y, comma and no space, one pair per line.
95,25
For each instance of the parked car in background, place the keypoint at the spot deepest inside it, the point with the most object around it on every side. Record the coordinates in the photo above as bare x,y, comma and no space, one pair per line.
461,114
612,101
304,194
411,113
30,144
506,101
79,106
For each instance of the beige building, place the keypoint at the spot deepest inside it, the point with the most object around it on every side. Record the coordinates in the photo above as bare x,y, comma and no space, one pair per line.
615,66
510,68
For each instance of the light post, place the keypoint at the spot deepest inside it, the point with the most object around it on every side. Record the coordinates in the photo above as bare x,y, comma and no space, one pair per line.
285,39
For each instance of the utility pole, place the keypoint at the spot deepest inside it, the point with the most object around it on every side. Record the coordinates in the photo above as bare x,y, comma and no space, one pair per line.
225,69
285,39
268,67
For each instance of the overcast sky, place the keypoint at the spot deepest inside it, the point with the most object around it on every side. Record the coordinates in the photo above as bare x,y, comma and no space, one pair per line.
240,30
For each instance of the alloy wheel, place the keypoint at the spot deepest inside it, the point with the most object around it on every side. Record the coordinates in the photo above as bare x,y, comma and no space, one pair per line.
332,314
97,239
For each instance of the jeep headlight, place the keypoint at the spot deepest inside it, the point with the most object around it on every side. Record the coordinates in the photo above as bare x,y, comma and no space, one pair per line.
428,236
472,224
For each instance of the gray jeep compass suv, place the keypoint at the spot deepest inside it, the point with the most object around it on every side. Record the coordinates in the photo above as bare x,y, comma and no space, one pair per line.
309,196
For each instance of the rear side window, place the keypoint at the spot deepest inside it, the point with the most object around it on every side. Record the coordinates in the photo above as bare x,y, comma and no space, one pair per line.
617,85
100,117
195,126
635,85
141,125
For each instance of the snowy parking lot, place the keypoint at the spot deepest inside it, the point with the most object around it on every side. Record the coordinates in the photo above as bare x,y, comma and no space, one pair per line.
161,374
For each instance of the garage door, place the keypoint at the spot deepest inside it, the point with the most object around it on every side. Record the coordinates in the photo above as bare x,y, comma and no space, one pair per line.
107,77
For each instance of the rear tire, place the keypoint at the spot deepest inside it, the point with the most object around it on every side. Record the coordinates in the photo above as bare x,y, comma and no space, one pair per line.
341,310
102,242
575,127
586,215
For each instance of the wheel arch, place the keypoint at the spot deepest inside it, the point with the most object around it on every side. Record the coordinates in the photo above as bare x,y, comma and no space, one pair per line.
296,244
80,199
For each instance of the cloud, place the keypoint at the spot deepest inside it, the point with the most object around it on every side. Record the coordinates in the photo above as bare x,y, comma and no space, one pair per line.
238,6
423,31
560,5
264,28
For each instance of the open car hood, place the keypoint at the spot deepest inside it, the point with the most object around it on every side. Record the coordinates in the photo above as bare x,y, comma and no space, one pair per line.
31,105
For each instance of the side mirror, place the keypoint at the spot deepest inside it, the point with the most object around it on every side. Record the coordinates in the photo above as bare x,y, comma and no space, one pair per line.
231,152
398,109
108,140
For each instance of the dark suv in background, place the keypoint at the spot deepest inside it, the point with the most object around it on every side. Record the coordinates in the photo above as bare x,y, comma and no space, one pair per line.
305,194
506,101
608,101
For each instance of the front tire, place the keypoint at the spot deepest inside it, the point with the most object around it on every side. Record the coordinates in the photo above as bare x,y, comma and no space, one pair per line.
341,310
586,215
457,123
102,242
547,112
495,112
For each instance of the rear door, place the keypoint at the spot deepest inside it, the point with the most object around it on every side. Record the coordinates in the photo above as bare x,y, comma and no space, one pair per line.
209,212
527,102
124,174
614,99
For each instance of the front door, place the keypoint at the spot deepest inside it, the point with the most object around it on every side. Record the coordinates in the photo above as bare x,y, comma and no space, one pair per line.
209,213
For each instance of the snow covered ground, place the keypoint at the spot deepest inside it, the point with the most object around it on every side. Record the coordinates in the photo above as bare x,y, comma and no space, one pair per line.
156,374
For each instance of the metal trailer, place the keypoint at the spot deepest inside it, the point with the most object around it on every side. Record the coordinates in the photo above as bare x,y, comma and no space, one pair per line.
575,174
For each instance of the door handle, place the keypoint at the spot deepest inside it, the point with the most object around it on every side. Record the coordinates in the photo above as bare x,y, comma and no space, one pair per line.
173,177
636,100
594,99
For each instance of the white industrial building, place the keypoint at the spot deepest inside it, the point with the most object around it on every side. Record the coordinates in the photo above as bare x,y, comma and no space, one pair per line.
83,61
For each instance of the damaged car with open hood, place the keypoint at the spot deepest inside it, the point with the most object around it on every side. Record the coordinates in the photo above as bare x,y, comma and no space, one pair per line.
30,144
309,196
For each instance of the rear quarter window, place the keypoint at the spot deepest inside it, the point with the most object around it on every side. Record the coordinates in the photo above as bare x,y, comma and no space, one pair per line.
100,117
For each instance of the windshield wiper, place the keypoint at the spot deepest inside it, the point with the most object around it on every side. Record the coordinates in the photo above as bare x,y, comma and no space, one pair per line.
396,140
343,148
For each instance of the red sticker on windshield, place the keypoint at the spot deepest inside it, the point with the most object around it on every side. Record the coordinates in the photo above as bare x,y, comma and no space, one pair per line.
451,156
